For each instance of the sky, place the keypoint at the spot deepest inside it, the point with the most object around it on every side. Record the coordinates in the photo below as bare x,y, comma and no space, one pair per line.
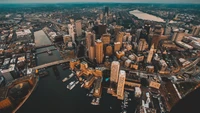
132,1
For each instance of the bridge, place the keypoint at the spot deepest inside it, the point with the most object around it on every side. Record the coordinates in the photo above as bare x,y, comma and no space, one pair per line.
54,63
42,46
49,20
190,66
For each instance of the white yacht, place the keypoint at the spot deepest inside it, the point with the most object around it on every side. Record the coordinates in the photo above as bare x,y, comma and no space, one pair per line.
65,79
71,85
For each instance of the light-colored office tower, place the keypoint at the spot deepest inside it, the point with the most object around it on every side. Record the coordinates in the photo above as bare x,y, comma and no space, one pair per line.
90,39
175,34
120,86
71,32
70,29
91,53
150,55
78,27
99,51
115,65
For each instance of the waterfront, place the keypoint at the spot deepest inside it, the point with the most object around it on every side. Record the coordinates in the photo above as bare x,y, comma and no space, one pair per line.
146,16
52,96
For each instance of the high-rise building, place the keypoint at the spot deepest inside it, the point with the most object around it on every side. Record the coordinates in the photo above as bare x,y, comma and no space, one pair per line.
109,50
156,39
117,29
78,27
90,39
99,51
175,34
91,53
71,31
120,86
101,16
196,31
101,29
114,71
117,46
137,37
70,28
150,55
105,38
142,45
147,27
127,37
67,38
158,30
106,12
119,38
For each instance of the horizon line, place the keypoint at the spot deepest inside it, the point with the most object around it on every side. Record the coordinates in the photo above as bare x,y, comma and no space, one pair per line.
98,2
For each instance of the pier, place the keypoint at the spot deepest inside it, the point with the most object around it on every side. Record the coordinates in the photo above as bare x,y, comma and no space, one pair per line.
43,46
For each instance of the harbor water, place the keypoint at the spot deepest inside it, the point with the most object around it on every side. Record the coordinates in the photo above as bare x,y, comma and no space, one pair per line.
52,96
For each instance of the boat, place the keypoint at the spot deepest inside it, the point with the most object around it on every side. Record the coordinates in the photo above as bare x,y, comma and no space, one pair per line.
71,85
65,79
71,75
77,82
95,101
92,91
82,85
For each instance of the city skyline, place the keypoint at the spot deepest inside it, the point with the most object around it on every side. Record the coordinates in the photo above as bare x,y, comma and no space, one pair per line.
101,1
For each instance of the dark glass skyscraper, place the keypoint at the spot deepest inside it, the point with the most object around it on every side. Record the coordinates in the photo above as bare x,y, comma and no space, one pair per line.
106,11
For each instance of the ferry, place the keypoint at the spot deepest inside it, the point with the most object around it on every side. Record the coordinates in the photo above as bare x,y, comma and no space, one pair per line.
71,85
65,79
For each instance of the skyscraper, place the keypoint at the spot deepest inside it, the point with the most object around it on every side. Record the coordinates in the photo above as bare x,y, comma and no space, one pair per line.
105,38
175,34
99,51
117,29
101,29
137,37
78,28
142,45
150,55
71,31
120,86
109,50
117,46
90,39
114,71
106,12
119,38
91,53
